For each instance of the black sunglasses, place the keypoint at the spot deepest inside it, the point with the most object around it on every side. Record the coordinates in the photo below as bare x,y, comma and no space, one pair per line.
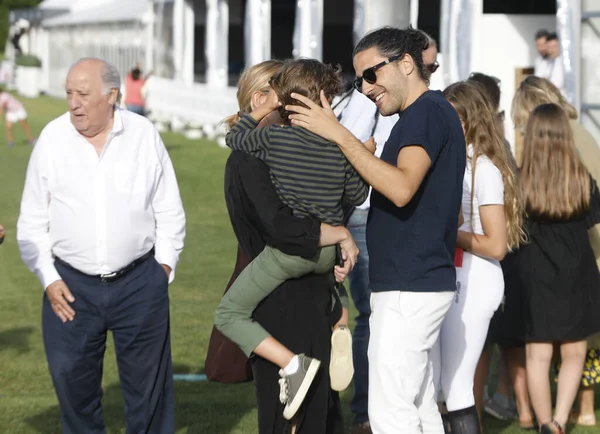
369,74
432,67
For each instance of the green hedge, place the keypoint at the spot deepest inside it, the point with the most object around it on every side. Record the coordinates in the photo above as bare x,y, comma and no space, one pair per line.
28,60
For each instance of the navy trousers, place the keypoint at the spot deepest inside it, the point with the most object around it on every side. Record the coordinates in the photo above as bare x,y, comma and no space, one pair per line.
136,310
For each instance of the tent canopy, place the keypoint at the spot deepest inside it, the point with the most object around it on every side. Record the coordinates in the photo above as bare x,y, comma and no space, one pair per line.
98,11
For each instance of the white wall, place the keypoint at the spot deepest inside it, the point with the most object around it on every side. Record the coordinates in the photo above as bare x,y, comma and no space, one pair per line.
501,43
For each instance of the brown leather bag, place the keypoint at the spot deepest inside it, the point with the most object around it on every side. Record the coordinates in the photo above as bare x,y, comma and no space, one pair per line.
225,361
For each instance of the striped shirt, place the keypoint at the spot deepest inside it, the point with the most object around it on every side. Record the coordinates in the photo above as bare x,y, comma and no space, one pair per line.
310,174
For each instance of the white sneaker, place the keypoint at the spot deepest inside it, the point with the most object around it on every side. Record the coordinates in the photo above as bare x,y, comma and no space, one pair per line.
341,367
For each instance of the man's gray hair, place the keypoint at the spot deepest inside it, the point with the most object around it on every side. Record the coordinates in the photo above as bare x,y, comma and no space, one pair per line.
110,76
112,80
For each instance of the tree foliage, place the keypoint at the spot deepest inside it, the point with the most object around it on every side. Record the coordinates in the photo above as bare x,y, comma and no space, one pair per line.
5,7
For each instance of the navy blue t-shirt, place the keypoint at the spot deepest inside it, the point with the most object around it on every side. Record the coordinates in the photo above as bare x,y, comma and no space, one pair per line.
411,248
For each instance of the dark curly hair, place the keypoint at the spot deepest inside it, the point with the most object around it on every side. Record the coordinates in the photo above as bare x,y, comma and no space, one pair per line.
391,41
306,77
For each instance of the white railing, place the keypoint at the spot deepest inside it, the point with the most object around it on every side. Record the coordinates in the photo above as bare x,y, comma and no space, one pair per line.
172,101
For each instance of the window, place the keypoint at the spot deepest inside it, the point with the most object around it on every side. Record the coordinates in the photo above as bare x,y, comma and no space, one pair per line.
430,12
338,21
537,7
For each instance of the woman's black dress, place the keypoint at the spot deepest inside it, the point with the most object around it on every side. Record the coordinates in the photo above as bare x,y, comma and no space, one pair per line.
559,277
299,313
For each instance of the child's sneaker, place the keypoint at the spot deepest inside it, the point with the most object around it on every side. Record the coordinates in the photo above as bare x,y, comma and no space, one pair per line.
11,144
341,367
294,387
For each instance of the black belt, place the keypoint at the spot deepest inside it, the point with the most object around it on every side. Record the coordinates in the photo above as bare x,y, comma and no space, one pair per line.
112,277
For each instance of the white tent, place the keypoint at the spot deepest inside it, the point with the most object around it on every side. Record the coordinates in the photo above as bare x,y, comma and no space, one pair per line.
56,4
115,30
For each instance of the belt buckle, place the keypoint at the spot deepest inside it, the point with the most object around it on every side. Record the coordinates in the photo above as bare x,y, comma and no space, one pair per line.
107,277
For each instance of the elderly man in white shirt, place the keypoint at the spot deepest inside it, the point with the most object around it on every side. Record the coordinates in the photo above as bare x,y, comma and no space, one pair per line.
102,226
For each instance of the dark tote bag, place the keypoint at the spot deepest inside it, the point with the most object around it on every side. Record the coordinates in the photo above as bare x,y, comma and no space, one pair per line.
225,361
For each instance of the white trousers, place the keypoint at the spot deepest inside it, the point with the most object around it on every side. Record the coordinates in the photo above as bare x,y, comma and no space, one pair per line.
404,328
480,289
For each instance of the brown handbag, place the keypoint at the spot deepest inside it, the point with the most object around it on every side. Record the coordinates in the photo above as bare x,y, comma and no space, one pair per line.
225,361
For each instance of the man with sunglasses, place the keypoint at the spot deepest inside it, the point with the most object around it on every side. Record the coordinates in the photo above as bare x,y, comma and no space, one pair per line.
413,221
362,118
430,55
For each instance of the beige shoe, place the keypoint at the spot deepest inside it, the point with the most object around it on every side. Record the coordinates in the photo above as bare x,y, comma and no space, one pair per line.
582,419
341,367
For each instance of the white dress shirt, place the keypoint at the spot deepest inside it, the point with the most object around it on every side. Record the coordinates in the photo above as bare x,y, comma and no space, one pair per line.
99,213
542,67
359,116
557,74
551,69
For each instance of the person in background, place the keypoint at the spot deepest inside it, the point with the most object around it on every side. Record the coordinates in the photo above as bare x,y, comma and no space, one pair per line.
15,112
430,62
2,233
502,405
556,69
541,60
134,95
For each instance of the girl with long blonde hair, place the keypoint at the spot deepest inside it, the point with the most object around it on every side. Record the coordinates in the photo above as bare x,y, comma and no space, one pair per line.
532,92
492,214
557,268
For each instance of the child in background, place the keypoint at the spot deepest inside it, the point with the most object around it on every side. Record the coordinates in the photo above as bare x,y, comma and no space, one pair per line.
15,112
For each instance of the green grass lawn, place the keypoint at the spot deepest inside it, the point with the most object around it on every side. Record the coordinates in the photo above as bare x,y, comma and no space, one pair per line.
27,400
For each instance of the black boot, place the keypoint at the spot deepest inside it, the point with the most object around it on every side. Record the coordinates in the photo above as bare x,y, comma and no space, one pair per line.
465,421
446,422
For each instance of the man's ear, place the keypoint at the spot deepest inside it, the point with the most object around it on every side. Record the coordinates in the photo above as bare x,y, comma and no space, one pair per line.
114,93
408,64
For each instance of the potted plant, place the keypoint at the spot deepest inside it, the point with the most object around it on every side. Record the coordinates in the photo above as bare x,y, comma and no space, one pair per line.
28,73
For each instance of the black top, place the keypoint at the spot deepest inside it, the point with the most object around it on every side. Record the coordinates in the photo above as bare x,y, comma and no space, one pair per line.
299,312
411,248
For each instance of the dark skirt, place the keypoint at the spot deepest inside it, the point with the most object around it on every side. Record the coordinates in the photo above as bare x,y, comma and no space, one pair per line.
299,314
560,281
507,328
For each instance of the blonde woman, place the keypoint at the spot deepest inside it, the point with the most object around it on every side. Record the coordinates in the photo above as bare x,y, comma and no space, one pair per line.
557,266
532,92
492,215
296,314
